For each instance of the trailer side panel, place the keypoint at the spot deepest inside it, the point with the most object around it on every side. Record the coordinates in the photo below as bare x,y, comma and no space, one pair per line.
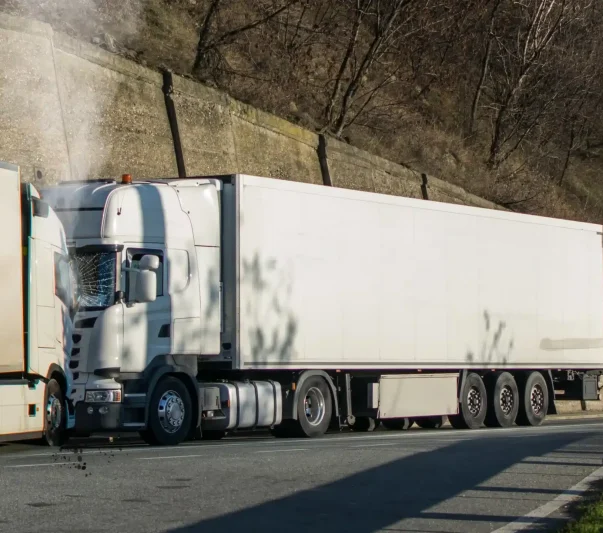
330,278
12,355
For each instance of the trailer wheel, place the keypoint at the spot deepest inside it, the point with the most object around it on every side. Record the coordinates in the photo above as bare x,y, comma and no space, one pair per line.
54,415
533,400
503,400
314,408
430,422
397,424
473,404
170,413
365,424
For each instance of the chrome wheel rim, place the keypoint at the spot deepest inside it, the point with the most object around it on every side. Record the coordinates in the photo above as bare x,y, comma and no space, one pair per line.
537,399
474,401
507,400
54,413
171,411
314,406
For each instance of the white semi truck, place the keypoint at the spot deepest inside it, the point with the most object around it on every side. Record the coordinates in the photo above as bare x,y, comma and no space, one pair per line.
38,303
211,304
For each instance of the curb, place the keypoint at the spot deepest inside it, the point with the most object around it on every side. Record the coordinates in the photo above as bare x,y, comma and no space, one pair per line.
575,416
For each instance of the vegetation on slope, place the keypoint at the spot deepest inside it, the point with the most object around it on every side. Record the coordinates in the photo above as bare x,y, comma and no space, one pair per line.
502,97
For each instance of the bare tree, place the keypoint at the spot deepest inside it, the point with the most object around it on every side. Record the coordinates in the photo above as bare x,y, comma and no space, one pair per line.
485,65
521,68
208,54
377,27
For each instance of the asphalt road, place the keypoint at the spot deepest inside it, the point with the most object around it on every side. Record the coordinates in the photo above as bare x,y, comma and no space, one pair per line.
429,481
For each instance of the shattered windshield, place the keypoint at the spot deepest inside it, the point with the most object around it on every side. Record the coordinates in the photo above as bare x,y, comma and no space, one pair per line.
96,276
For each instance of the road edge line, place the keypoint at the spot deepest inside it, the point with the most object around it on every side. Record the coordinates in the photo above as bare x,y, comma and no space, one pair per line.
567,496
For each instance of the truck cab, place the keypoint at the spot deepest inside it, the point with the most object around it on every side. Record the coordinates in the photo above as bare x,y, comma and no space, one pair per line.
38,306
149,295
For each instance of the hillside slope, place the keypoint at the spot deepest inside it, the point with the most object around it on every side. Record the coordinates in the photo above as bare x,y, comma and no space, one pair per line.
497,96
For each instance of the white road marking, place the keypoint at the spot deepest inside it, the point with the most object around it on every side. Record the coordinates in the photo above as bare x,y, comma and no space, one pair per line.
37,464
373,445
546,509
170,457
284,450
448,435
564,461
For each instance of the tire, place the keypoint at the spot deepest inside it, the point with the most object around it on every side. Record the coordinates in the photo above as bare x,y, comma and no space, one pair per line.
503,400
314,408
430,422
397,424
365,424
533,400
472,404
55,419
170,413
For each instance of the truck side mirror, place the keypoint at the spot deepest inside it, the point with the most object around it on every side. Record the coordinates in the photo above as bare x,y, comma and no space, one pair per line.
146,286
148,262
40,208
146,280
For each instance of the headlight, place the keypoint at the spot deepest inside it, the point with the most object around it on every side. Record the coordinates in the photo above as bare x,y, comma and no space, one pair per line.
103,396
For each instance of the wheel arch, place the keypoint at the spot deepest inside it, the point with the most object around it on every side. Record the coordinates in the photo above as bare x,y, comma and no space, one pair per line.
548,377
57,373
289,409
189,381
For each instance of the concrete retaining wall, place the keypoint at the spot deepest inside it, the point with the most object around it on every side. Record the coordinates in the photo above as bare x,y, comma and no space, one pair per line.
70,110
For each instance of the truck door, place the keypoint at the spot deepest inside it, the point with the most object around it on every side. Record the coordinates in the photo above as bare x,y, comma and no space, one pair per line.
146,325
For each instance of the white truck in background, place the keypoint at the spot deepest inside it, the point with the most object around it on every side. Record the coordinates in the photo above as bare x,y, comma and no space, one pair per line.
218,303
38,303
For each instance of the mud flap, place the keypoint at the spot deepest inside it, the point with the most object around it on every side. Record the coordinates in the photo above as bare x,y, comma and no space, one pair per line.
70,412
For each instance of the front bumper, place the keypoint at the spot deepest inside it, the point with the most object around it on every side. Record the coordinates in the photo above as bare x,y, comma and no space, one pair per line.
90,417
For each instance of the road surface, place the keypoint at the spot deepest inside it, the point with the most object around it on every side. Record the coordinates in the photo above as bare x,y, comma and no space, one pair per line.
428,481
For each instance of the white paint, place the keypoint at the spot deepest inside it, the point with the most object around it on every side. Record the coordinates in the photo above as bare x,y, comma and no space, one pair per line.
334,278
166,457
36,465
362,446
446,436
286,450
550,507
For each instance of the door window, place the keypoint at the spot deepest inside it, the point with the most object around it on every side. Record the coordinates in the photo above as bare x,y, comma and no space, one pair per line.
133,260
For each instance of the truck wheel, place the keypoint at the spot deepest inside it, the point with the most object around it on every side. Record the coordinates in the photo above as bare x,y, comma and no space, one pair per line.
365,424
533,400
54,415
314,407
170,413
430,422
503,401
472,404
397,424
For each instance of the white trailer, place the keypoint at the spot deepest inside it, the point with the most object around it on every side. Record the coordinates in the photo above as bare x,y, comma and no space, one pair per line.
241,302
35,331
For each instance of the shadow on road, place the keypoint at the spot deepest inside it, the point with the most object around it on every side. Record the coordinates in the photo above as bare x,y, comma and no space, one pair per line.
378,498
